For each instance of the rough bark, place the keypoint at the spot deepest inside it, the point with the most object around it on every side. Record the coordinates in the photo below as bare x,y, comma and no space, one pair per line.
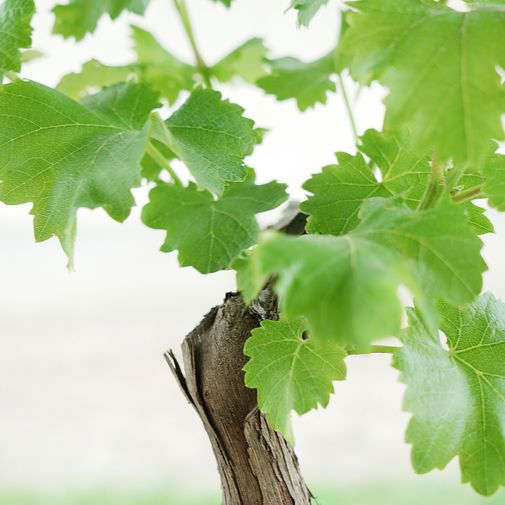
256,465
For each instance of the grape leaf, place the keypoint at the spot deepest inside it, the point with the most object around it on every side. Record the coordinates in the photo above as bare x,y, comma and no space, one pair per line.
210,233
93,75
246,62
124,105
440,67
307,83
290,371
307,9
338,193
158,67
354,277
79,17
477,219
61,156
457,396
344,286
212,137
15,32
494,184
340,190
443,250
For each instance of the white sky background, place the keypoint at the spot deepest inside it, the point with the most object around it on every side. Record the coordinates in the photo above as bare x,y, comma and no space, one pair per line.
85,397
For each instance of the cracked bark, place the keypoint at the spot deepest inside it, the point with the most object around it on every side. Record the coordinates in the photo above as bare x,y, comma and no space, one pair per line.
257,466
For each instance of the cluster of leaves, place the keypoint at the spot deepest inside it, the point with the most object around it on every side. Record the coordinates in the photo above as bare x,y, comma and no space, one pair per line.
398,213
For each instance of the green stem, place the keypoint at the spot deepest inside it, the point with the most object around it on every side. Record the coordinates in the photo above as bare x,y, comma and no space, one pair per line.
203,69
436,185
160,159
376,349
468,194
348,108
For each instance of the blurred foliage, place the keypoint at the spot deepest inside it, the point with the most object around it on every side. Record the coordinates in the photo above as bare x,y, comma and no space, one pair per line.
422,492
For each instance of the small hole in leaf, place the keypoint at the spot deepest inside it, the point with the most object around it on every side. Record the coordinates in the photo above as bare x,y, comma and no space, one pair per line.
304,336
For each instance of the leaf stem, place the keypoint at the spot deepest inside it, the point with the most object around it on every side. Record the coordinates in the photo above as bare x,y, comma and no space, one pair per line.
348,107
160,159
436,185
375,349
468,194
203,69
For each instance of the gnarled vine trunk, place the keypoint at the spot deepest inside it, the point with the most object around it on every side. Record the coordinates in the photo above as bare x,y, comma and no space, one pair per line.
257,466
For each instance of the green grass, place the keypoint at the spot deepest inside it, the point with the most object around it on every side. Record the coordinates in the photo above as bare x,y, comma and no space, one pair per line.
419,492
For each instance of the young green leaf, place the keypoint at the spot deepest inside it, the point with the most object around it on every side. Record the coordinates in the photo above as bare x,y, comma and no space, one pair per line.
161,69
477,219
307,83
494,185
340,190
79,17
440,67
93,75
210,233
457,396
246,61
346,287
212,137
15,32
291,371
61,156
307,9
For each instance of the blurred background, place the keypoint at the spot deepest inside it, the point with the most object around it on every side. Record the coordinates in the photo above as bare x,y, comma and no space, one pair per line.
89,413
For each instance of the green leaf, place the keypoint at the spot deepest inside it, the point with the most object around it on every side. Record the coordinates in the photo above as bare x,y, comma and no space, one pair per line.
494,185
79,17
227,3
291,371
340,190
124,105
61,156
338,193
428,54
457,396
477,219
212,137
250,277
307,83
160,68
307,9
443,250
93,75
210,233
15,32
246,62
346,287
